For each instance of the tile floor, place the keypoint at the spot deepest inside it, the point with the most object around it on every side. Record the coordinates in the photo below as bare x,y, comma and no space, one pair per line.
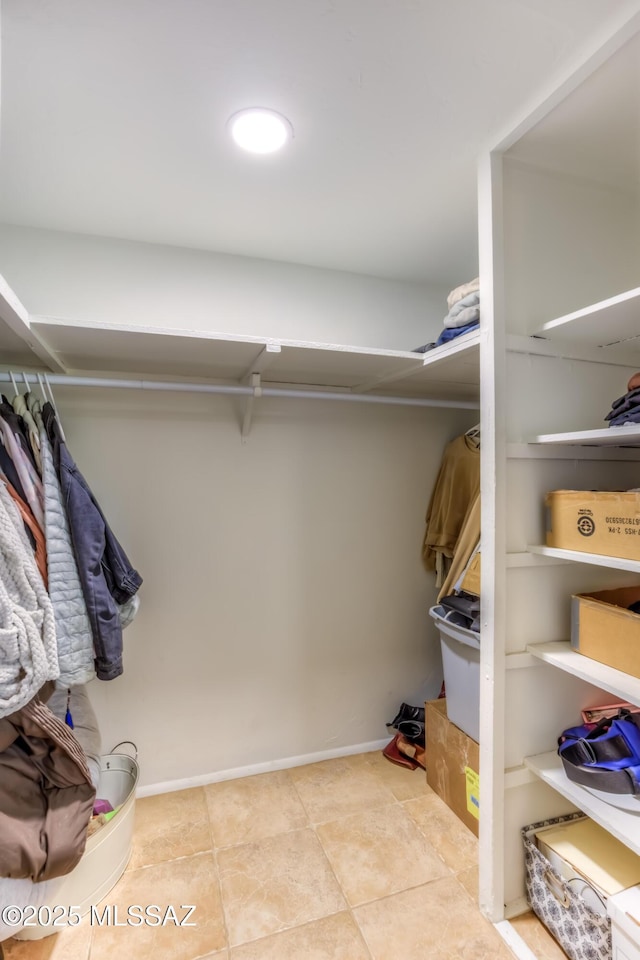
348,859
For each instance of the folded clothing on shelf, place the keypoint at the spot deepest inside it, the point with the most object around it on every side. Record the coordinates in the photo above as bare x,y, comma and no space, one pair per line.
450,333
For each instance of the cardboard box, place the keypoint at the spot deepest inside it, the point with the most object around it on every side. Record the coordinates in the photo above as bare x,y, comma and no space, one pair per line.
453,764
603,629
594,522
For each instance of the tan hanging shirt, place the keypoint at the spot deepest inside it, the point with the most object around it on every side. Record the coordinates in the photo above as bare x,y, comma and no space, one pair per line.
457,486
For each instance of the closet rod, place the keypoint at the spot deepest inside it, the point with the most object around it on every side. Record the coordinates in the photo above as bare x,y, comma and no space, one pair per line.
68,381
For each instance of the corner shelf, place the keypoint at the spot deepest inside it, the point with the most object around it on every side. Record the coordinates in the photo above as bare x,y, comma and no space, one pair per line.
622,824
450,372
607,323
596,559
559,654
602,437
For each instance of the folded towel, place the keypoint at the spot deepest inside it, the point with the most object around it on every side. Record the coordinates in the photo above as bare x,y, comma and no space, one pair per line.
463,291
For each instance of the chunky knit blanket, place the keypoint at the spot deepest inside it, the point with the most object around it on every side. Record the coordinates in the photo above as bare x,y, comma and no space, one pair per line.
28,651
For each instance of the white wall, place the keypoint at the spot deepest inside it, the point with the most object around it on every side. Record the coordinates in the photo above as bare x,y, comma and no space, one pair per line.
569,242
80,278
284,604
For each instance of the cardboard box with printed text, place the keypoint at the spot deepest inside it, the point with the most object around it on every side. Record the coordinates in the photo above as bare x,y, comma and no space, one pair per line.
453,764
605,522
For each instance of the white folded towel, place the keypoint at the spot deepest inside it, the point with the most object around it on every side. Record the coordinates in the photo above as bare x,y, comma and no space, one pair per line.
463,291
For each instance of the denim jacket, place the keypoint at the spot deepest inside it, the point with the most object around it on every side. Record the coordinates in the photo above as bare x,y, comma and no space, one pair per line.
106,575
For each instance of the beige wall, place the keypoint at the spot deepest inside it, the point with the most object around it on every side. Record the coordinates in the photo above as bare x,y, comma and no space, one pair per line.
80,278
284,608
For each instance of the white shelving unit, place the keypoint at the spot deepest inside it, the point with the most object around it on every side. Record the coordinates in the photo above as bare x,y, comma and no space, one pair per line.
559,654
559,226
627,436
610,322
622,824
447,373
577,556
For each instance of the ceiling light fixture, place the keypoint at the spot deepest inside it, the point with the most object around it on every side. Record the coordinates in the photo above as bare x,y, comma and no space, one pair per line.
259,130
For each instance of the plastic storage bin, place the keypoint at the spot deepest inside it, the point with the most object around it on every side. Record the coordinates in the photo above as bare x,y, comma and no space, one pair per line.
107,852
461,666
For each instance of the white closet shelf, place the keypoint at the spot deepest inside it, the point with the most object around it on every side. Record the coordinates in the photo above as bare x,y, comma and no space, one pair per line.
450,372
610,322
623,824
602,437
559,654
596,559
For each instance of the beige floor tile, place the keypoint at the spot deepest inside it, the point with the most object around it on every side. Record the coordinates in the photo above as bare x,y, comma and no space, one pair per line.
170,825
332,938
337,788
379,852
469,880
72,943
276,883
405,784
433,922
537,937
190,880
242,811
453,841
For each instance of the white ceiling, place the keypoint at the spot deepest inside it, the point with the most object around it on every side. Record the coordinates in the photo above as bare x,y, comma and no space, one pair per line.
114,111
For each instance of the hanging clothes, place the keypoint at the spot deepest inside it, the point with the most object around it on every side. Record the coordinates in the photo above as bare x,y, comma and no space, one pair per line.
30,482
20,405
35,533
73,628
457,486
28,653
465,547
106,574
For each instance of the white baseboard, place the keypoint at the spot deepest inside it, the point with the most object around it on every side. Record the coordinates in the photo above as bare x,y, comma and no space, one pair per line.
514,941
168,786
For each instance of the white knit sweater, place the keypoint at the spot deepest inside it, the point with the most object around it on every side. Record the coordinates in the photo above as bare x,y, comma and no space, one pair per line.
28,652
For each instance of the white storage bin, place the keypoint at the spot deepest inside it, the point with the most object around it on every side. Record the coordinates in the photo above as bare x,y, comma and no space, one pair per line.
107,852
461,666
624,913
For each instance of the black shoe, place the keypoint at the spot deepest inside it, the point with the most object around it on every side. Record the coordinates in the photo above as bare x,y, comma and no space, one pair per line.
412,730
407,712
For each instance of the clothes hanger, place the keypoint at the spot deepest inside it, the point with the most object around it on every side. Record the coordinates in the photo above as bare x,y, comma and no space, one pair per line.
55,409
14,384
473,434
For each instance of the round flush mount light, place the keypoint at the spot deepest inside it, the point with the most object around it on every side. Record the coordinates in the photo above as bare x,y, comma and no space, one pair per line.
259,130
